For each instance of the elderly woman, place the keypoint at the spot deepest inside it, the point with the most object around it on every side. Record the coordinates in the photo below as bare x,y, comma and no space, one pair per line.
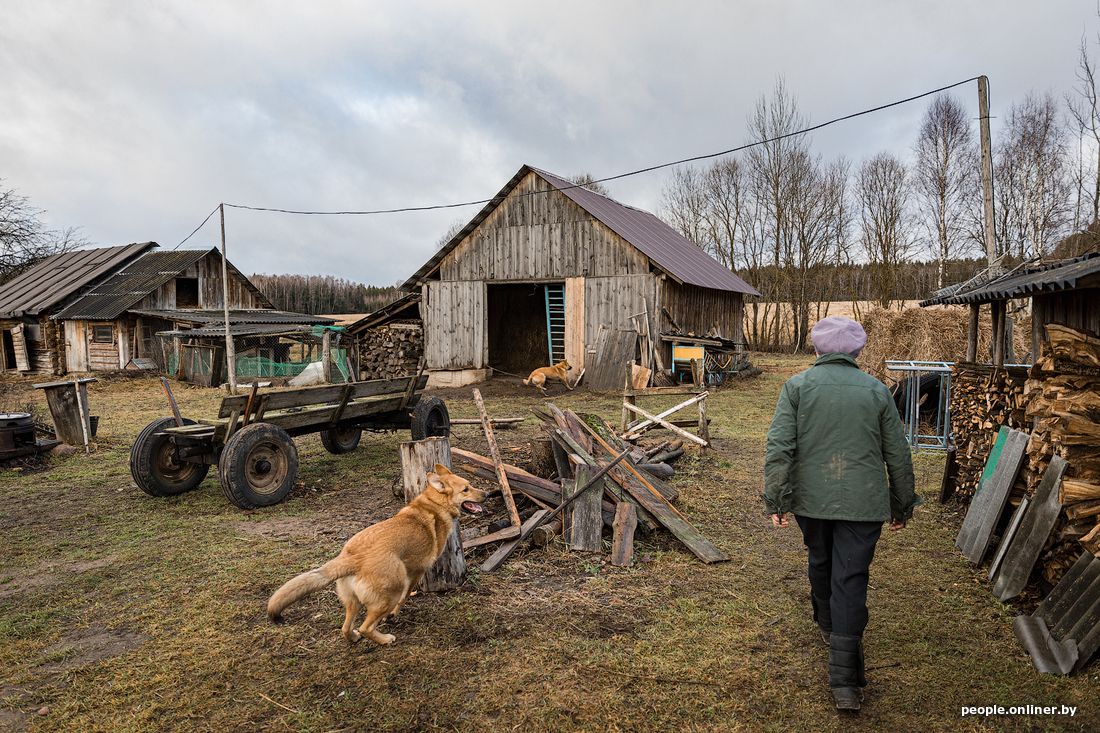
838,460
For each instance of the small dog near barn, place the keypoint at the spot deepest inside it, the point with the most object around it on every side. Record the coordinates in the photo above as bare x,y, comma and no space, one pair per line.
538,377
381,565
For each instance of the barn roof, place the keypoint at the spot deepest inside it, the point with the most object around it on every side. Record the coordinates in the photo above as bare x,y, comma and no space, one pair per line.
669,250
57,278
123,290
1022,283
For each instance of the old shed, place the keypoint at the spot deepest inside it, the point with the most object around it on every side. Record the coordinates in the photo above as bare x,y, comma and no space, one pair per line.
547,265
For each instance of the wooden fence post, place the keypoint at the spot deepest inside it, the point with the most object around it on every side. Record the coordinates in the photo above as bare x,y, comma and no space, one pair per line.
418,457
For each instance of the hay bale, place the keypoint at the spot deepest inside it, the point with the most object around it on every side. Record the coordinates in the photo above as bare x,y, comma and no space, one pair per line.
930,334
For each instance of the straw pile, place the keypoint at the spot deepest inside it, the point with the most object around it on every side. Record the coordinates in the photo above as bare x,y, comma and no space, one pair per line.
930,334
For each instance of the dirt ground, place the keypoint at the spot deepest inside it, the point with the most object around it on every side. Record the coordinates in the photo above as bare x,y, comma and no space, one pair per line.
122,612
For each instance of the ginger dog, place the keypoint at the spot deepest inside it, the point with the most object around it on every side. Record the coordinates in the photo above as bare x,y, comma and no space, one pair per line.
538,377
381,565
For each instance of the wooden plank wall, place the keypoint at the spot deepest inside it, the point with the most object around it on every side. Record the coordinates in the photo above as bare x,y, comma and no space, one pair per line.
455,325
700,310
540,237
101,357
76,346
574,323
611,301
209,272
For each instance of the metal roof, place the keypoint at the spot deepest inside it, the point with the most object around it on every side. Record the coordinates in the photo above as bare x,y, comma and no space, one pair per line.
669,250
128,286
235,316
1048,278
241,329
1064,632
62,276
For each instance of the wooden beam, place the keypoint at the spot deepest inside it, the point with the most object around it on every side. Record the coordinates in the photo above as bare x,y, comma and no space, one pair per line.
622,542
972,332
498,464
666,424
584,523
646,424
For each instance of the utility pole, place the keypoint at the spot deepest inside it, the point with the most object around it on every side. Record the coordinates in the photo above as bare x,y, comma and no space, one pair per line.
230,350
987,173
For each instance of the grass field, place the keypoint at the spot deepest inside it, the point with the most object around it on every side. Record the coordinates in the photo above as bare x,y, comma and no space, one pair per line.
121,612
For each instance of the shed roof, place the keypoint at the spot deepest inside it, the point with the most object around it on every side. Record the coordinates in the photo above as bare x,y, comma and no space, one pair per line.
407,306
118,293
1042,278
62,276
669,250
235,316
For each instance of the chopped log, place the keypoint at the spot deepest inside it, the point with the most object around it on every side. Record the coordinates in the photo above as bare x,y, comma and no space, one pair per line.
1074,490
583,522
1082,510
1091,541
658,470
622,542
545,534
418,457
667,456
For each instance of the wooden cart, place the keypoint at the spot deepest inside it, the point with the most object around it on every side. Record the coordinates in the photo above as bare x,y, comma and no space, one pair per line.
251,440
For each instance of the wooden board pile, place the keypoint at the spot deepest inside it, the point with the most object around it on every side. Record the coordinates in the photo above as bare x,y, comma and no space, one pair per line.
1063,404
983,398
390,350
625,496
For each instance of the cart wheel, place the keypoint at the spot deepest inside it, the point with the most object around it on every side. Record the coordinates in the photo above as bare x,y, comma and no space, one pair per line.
341,440
258,466
430,419
155,466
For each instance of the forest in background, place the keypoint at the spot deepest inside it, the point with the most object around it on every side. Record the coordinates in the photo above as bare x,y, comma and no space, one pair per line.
321,294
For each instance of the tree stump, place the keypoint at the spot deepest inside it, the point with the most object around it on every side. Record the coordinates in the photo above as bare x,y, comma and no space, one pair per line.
418,457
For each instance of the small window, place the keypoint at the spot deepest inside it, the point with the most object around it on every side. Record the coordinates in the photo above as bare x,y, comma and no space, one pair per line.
103,334
187,292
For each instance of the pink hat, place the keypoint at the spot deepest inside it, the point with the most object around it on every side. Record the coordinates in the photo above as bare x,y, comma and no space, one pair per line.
838,335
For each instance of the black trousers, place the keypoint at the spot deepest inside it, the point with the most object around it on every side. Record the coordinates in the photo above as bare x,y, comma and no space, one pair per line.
839,566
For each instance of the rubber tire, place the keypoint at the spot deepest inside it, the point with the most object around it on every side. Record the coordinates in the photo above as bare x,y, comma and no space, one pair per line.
341,440
143,465
430,419
233,465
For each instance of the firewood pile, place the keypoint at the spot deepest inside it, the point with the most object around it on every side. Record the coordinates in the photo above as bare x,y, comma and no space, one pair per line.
591,480
983,398
391,350
1063,404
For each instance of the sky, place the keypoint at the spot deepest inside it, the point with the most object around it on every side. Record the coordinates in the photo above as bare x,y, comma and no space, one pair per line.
133,120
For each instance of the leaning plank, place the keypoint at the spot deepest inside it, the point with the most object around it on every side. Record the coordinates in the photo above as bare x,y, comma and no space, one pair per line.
418,457
665,423
1032,534
507,548
584,524
622,542
989,502
664,512
618,494
498,464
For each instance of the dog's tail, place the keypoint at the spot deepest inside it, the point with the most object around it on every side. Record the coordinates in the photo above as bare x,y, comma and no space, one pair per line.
308,582
527,381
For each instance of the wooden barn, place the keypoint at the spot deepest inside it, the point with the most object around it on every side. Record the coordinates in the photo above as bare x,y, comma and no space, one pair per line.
547,269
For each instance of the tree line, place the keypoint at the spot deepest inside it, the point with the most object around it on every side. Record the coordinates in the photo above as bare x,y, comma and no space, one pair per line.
320,294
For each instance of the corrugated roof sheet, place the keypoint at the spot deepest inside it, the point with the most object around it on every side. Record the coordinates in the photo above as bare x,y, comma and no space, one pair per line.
241,329
235,316
114,296
669,250
1042,278
407,306
1064,632
62,276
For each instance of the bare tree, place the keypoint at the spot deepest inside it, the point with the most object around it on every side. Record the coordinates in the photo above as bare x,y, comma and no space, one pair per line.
586,180
1032,178
886,230
684,204
945,180
25,239
1084,110
455,227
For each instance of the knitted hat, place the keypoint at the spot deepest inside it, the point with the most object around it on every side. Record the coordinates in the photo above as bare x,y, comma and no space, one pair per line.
838,335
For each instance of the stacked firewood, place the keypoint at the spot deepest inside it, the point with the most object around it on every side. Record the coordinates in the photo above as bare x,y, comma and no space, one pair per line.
1063,405
390,351
983,398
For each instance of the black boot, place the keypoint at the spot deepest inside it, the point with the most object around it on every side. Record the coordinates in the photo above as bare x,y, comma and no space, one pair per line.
823,617
846,671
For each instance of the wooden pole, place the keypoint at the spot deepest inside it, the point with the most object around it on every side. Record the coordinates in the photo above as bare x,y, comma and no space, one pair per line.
987,174
998,332
326,356
230,349
81,405
494,453
418,457
972,332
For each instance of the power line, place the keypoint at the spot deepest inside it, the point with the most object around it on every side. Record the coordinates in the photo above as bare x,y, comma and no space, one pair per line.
196,229
636,172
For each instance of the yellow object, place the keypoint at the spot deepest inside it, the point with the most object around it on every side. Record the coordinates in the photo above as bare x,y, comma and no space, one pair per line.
686,353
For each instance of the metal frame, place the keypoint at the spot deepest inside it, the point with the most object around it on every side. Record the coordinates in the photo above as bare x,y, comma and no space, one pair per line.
941,438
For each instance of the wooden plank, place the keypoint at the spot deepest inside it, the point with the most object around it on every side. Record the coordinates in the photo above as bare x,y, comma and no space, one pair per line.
583,523
508,547
319,415
498,464
418,457
988,503
325,394
505,534
22,355
622,542
646,424
171,402
604,369
665,513
666,424
1032,534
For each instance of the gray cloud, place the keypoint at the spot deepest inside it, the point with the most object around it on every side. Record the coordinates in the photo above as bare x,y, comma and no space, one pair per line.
134,120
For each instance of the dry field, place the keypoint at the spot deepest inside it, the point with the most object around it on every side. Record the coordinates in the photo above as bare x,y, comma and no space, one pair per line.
121,612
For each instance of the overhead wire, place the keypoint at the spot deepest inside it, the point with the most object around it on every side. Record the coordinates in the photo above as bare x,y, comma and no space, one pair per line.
196,229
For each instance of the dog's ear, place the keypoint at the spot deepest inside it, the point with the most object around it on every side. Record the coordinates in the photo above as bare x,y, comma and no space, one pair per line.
436,482
442,470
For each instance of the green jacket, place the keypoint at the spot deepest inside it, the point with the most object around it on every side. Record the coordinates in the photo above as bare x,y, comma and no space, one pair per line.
834,429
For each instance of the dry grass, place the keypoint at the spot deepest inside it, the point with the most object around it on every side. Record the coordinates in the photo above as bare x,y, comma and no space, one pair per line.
122,612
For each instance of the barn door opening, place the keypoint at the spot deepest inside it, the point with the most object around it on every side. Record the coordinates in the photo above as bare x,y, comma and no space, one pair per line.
555,321
518,327
8,346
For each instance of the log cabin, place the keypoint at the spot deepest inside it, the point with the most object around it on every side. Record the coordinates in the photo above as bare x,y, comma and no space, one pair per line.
547,265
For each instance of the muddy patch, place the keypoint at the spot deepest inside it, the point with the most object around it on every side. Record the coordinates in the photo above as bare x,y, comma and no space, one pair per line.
88,646
42,577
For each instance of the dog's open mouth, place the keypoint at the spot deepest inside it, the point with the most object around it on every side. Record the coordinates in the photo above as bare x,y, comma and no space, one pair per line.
472,507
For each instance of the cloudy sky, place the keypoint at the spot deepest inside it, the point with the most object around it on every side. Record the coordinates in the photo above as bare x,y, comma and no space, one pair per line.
134,119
